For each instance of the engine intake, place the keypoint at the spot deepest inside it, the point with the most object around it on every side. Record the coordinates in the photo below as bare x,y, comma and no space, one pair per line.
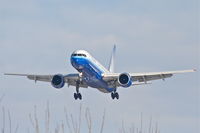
58,81
125,80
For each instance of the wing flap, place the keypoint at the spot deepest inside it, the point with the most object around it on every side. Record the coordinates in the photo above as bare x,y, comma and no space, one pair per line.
145,78
45,78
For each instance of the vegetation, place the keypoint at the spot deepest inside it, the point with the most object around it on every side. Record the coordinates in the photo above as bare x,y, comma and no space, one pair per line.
69,125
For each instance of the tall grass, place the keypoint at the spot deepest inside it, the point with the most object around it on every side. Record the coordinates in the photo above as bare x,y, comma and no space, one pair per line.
70,123
1,98
6,119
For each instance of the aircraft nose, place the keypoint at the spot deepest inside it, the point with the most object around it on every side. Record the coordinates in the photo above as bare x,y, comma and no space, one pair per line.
77,62
74,60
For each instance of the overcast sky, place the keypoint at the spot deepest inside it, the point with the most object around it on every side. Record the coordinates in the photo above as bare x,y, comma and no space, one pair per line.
38,37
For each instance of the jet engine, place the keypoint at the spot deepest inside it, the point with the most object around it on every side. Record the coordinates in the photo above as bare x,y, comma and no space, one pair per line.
58,81
125,80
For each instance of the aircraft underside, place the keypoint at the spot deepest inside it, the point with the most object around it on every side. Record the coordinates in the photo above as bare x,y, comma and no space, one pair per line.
92,79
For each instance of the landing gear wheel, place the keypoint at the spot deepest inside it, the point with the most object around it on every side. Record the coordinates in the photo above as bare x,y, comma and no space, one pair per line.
117,95
113,95
80,96
75,96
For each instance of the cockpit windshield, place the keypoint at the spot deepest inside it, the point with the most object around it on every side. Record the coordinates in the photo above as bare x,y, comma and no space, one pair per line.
79,55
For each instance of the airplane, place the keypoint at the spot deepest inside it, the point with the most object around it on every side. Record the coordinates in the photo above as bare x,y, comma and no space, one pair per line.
92,74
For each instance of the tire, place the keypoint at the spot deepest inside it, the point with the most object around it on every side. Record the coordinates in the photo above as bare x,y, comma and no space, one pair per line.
75,96
117,95
80,96
112,95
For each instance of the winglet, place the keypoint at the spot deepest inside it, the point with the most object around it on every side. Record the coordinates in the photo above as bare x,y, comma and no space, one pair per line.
112,60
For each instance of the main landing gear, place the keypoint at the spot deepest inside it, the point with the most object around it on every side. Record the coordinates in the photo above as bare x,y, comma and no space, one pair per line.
115,95
77,95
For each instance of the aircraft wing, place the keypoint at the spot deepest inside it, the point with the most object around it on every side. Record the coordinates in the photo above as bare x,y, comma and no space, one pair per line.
70,79
144,77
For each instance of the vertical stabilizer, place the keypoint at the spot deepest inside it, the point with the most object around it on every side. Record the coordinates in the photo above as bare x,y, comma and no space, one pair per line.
112,60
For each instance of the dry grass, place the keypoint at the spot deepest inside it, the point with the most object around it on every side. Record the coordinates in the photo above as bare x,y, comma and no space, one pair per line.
1,98
70,124
152,128
5,117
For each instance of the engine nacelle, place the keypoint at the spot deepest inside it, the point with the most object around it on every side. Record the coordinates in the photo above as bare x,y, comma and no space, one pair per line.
125,80
58,81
